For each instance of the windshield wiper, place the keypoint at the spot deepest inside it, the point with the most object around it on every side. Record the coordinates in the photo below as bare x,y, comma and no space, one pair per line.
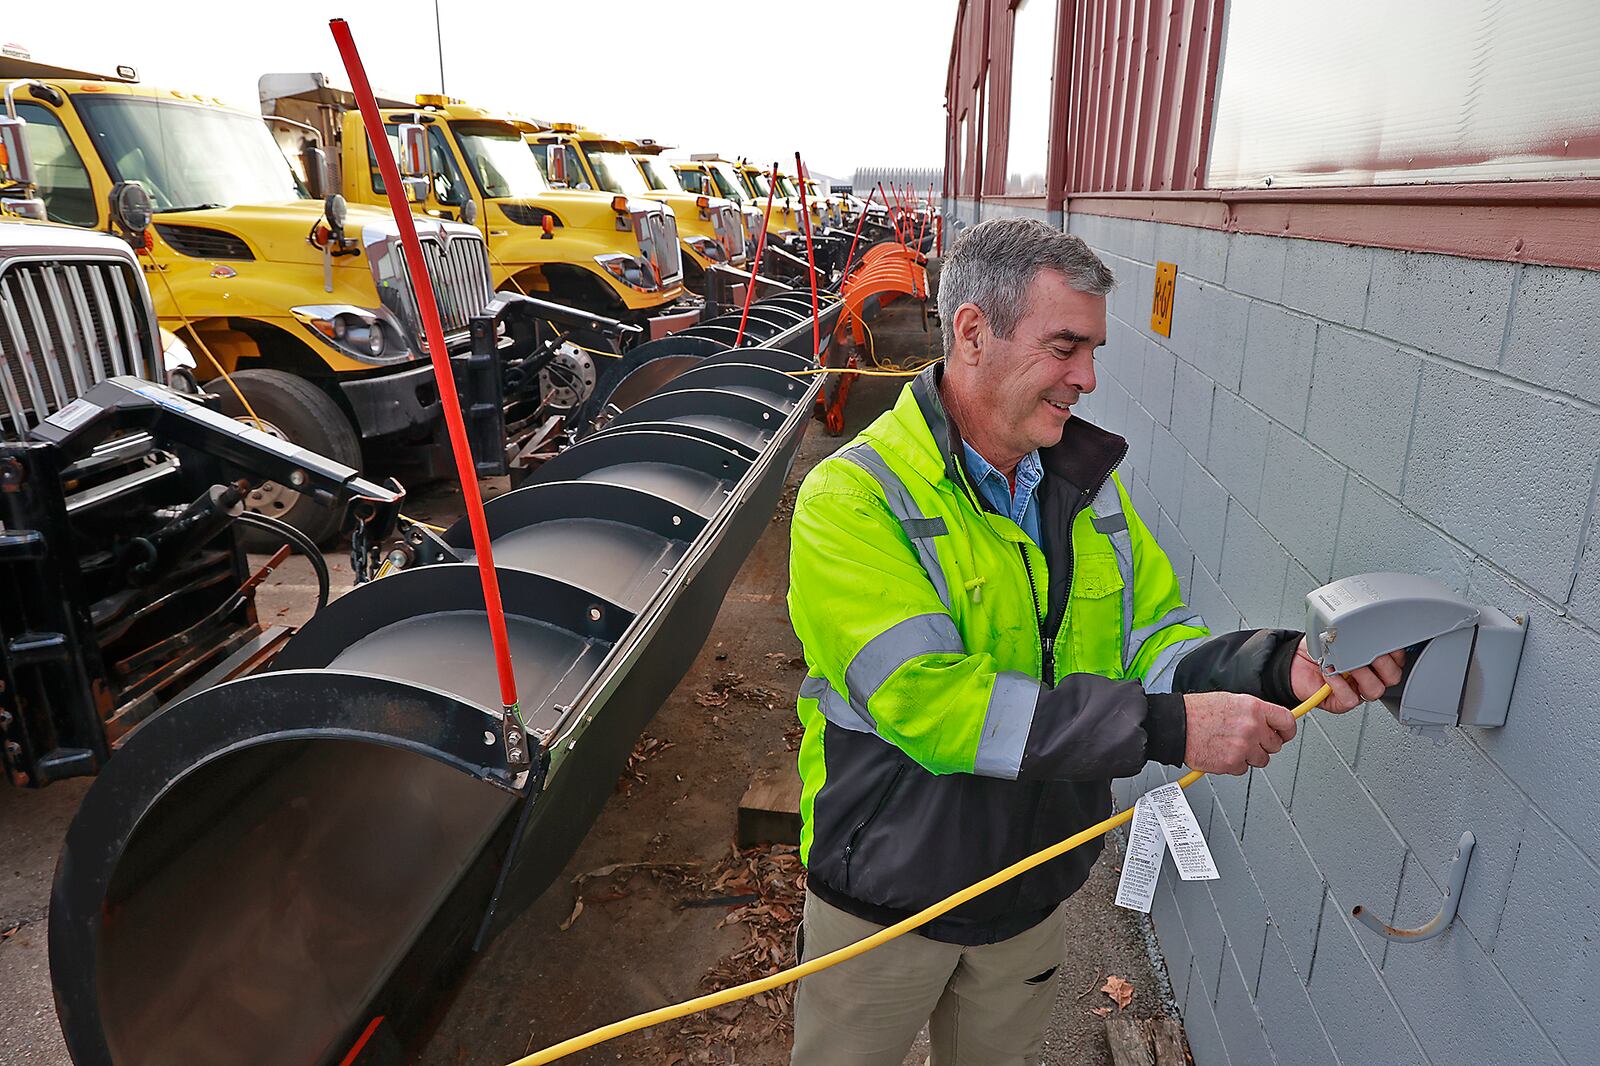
189,207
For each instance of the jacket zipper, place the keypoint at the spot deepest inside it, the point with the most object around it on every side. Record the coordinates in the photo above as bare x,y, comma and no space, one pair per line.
1047,644
855,834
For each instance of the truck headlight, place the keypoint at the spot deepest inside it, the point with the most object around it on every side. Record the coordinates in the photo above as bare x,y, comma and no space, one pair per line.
354,331
707,248
626,269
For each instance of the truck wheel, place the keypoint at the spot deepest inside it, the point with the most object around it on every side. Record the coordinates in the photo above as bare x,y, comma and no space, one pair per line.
295,410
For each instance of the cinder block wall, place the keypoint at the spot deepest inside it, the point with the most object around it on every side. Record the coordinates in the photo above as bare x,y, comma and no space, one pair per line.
1322,410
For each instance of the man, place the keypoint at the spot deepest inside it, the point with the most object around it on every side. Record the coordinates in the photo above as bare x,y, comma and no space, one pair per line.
992,634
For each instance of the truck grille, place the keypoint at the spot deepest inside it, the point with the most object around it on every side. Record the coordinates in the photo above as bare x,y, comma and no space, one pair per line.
462,285
658,243
64,326
729,229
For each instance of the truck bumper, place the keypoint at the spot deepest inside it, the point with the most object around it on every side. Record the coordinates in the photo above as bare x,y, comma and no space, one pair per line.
672,319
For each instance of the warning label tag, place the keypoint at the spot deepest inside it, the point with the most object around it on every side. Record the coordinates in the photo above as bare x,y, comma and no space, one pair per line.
1162,819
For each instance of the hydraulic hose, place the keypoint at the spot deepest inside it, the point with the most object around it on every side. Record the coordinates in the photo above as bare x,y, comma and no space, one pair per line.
300,541
860,947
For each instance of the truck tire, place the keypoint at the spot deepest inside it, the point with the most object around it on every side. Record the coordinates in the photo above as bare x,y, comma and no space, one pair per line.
296,410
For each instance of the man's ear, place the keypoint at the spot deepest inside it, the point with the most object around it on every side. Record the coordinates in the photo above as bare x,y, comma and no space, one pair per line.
971,329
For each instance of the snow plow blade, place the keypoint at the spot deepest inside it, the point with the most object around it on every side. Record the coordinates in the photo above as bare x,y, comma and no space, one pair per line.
292,867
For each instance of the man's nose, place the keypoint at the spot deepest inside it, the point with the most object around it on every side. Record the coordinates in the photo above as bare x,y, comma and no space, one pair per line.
1081,377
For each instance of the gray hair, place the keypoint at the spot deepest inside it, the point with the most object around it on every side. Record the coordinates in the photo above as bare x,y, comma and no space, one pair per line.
992,264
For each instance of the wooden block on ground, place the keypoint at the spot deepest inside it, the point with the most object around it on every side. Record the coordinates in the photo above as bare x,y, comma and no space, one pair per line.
1145,1042
770,810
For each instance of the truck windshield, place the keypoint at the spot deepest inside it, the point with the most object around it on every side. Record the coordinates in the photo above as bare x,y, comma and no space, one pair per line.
726,184
786,187
616,173
757,183
188,157
647,167
499,160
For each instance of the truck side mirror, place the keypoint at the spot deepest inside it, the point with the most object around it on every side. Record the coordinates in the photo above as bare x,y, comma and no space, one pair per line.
416,189
413,150
16,167
314,160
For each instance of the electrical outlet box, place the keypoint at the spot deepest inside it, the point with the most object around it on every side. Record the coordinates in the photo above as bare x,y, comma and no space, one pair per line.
1462,657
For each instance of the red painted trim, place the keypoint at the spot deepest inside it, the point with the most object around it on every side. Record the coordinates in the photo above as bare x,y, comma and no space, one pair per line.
366,1035
1149,88
1061,82
1191,131
1555,223
1214,35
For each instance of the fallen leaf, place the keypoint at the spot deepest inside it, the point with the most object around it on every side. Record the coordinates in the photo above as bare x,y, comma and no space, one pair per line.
577,909
1120,991
1100,1012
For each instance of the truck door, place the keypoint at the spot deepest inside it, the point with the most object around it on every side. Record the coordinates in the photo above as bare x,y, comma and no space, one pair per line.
64,181
448,191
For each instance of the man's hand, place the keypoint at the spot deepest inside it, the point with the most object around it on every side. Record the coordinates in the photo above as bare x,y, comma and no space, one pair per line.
1229,733
1349,690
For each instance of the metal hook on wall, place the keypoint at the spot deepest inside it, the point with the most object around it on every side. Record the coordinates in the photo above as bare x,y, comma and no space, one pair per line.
1456,876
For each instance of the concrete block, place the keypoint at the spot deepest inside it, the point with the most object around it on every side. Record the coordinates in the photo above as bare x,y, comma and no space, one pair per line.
1133,238
1238,447
1174,940
1508,472
1443,304
1123,357
1239,902
1242,1031
1348,837
1177,550
1253,568
1145,504
1207,597
1197,251
1327,280
1460,1006
1585,600
1549,943
1294,1030
1168,461
1215,342
1360,1017
1155,388
1363,392
1256,265
1140,432
1377,533
1302,491
1431,792
1204,514
1345,730
1552,340
1289,880
1278,350
1206,934
1550,743
1137,291
1231,801
1191,409
1200,1026
1292,612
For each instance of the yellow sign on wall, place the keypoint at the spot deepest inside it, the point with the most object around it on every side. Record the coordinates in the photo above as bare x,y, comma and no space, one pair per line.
1161,306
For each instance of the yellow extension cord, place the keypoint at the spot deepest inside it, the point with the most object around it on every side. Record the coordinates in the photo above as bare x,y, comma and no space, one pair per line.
860,947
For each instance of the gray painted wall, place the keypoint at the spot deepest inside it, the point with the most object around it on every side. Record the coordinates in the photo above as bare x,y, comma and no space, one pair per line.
1322,410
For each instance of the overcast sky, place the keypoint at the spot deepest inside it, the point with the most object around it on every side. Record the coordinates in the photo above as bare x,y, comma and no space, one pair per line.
846,82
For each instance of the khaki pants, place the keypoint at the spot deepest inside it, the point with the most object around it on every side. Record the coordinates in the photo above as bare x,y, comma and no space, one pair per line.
985,1006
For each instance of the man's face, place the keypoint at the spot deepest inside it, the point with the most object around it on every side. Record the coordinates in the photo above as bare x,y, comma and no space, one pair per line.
1031,380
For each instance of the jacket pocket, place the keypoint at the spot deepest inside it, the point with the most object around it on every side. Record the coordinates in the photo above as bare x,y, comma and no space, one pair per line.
872,815
1096,615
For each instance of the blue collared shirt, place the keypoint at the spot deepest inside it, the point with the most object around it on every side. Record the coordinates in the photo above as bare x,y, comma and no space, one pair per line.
1021,506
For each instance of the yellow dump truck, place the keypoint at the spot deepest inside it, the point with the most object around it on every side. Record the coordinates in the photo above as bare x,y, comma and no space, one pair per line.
710,228
613,255
293,295
578,158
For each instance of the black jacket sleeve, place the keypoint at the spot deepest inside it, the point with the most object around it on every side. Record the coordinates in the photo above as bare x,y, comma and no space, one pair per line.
1253,662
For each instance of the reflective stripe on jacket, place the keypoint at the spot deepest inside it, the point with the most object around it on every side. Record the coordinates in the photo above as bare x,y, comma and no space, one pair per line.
969,693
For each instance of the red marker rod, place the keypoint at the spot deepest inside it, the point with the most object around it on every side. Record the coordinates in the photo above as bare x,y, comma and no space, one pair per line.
512,729
850,258
761,247
811,260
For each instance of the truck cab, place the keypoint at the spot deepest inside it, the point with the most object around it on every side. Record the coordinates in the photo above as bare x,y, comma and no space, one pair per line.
603,253
783,220
710,226
710,175
294,298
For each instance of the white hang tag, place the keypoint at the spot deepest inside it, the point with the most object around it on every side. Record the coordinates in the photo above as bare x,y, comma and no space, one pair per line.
1189,851
1141,866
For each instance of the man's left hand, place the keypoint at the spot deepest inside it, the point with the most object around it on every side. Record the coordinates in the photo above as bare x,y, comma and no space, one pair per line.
1349,690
